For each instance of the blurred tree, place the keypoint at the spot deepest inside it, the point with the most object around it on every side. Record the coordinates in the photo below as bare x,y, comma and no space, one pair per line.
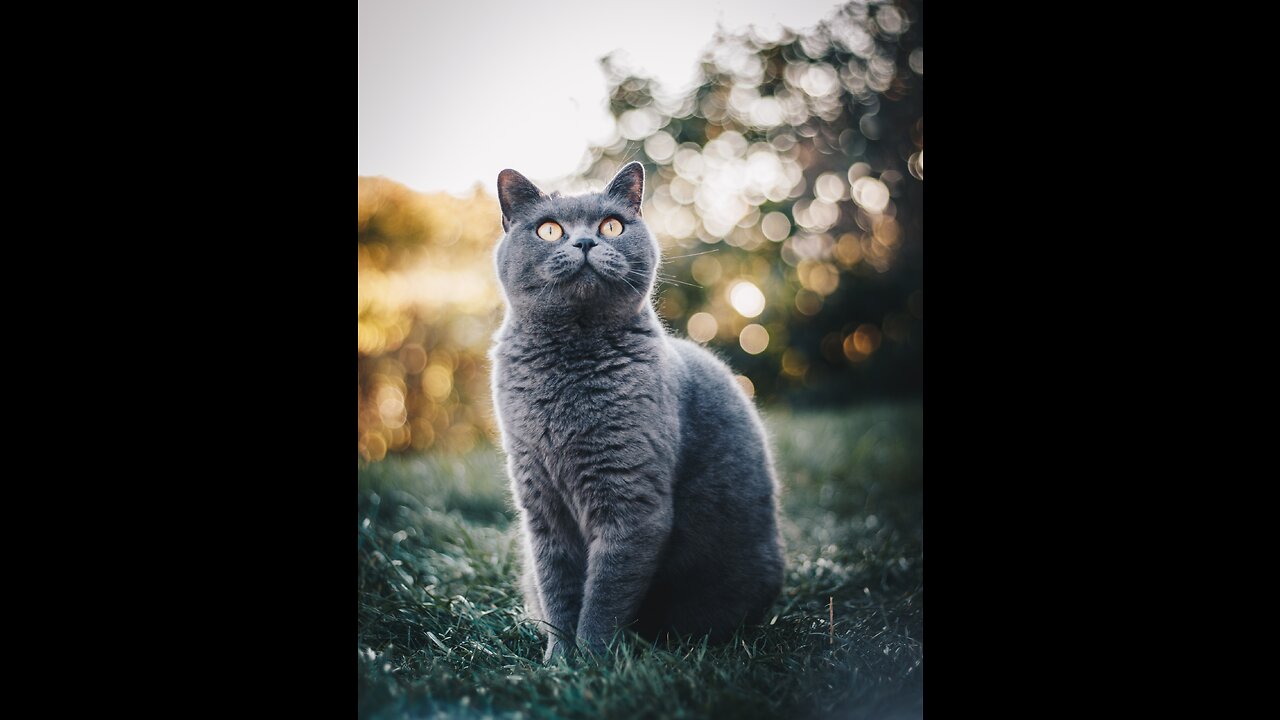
799,160
427,303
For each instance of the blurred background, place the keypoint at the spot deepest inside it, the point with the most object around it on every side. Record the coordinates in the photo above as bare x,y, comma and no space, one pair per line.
785,184
783,145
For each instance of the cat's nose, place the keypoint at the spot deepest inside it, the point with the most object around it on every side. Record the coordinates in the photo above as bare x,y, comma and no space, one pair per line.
585,243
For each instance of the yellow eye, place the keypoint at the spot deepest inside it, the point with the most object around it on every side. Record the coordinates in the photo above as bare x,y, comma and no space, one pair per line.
611,228
550,231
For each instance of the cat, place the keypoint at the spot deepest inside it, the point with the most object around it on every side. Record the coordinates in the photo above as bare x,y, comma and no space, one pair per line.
640,469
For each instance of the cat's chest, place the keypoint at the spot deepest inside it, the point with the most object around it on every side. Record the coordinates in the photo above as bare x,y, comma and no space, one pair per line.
550,393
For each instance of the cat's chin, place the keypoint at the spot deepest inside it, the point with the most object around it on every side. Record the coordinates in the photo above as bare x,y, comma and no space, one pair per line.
586,284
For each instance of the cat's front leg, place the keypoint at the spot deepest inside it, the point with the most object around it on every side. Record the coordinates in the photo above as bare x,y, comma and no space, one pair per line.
628,533
558,555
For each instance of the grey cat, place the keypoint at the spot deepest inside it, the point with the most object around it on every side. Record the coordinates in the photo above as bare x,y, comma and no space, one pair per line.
644,482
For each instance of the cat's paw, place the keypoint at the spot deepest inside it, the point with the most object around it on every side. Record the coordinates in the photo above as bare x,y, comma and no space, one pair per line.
593,647
555,650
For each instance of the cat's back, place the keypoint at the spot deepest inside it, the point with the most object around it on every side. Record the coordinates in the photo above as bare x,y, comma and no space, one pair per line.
709,391
724,561
723,434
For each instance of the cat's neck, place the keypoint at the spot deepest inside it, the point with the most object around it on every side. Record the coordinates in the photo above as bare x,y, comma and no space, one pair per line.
580,322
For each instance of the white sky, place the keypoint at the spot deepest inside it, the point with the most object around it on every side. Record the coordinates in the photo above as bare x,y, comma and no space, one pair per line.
450,92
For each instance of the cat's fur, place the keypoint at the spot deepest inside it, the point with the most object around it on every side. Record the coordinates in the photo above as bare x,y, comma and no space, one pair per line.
645,486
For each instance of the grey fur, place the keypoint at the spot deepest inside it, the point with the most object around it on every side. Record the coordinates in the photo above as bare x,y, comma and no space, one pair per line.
641,471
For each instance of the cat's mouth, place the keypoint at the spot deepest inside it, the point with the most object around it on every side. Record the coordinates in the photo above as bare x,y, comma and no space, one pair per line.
586,270
589,279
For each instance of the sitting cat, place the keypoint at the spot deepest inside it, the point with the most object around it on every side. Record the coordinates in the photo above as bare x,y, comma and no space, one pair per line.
644,482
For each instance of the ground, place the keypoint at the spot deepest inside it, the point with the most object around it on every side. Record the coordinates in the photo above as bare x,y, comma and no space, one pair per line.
440,633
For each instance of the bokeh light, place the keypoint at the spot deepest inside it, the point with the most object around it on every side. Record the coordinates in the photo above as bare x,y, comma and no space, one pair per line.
427,299
746,298
702,327
754,339
870,194
775,226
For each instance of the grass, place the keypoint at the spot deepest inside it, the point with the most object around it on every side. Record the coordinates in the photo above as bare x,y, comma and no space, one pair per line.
440,633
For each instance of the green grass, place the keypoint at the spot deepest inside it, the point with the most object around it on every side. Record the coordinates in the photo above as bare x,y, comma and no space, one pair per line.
440,633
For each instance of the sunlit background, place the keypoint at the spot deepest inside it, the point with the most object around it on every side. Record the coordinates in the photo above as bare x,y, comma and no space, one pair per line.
449,94
785,171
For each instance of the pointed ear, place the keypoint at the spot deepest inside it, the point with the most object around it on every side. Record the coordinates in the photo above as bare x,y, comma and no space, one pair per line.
514,192
628,185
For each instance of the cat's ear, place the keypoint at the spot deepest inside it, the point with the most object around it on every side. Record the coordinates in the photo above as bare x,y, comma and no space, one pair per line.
628,185
514,192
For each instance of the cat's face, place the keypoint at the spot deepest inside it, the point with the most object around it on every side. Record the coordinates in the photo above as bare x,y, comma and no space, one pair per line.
564,254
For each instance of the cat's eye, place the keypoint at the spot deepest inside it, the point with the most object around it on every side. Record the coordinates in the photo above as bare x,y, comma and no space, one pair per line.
550,231
611,227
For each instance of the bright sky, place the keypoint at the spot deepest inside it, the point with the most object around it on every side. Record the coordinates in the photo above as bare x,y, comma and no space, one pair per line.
452,92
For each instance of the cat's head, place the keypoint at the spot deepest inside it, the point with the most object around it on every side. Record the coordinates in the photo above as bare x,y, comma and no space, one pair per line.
564,255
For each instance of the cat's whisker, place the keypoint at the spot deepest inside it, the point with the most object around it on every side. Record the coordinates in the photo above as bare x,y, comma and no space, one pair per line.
620,272
624,279
545,291
631,154
677,257
664,278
